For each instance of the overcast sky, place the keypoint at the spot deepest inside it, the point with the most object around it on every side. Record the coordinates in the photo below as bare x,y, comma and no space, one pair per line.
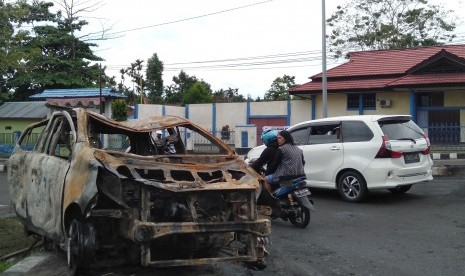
257,40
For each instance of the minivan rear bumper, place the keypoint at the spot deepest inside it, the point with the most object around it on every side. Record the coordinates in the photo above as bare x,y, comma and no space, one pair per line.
384,173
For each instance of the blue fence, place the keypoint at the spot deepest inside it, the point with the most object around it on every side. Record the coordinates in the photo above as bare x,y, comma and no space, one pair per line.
443,137
7,141
445,133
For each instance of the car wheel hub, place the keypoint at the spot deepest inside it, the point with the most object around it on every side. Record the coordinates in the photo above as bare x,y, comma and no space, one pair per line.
351,187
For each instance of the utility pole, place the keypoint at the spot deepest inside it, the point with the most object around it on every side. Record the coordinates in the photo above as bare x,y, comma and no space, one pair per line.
323,40
141,90
100,85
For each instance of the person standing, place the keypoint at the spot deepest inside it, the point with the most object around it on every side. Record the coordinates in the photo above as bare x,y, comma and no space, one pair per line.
225,133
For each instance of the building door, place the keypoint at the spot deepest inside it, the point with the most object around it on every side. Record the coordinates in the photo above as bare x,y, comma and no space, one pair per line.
261,122
444,126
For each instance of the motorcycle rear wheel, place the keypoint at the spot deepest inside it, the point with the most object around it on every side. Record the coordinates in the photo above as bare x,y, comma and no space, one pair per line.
302,218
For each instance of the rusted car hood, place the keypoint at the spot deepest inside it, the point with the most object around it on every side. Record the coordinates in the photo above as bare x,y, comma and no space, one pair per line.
182,173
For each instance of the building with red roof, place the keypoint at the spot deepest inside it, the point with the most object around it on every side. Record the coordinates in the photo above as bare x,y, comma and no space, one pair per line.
426,82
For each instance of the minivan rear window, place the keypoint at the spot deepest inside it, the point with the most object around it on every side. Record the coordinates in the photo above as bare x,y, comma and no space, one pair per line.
398,130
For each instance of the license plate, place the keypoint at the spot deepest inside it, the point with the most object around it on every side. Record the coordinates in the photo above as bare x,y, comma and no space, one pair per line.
302,193
411,157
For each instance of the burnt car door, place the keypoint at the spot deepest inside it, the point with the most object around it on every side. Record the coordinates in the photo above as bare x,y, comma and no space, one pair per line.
46,170
16,172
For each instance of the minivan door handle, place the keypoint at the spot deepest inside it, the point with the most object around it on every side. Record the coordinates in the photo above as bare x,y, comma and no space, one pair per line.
334,148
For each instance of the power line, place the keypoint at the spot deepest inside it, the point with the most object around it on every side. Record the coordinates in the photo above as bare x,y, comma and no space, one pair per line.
171,22
247,64
262,68
256,62
306,55
191,18
247,58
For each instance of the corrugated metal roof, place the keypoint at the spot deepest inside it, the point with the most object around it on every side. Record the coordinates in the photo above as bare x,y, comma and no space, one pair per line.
23,110
78,93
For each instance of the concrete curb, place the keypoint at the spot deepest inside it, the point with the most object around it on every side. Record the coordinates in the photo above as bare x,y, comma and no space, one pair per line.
447,156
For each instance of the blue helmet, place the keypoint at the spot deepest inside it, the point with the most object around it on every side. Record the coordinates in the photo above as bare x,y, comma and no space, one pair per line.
269,136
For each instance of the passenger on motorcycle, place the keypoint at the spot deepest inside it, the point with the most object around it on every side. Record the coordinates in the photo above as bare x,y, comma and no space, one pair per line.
288,162
270,139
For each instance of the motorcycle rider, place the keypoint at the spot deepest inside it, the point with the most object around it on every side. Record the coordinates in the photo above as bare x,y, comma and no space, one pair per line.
288,162
270,140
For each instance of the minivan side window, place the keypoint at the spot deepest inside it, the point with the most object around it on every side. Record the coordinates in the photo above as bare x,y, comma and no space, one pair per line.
356,131
325,134
300,135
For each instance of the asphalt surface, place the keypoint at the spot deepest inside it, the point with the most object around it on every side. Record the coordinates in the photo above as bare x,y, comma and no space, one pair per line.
419,233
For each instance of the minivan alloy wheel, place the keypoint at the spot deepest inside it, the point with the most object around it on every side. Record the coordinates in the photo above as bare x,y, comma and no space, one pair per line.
352,187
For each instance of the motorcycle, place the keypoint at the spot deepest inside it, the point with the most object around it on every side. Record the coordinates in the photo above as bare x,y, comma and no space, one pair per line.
292,201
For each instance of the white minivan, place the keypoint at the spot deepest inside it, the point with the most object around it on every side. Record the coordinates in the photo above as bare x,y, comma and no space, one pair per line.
355,154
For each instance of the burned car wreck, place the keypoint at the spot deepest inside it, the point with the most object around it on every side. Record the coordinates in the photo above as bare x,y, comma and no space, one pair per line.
156,192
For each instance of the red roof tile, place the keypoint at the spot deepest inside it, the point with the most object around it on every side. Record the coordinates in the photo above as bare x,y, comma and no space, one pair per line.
349,84
429,79
387,62
385,69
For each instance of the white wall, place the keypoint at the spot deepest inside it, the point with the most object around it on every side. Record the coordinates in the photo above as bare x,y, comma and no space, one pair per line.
235,114
148,110
175,110
301,111
268,108
201,114
232,114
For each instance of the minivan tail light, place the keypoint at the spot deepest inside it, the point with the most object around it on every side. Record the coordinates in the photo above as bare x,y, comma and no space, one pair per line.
386,151
428,149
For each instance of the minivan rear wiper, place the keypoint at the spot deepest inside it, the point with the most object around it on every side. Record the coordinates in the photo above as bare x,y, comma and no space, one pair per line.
411,139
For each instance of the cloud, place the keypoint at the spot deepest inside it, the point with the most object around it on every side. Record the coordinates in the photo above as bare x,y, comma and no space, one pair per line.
264,28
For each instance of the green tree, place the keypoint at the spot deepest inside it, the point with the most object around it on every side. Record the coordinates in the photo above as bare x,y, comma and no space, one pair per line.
14,50
229,95
119,110
279,89
388,24
137,79
182,83
46,55
123,89
198,93
154,83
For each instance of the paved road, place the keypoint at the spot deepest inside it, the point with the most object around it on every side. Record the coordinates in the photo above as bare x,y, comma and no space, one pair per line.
418,233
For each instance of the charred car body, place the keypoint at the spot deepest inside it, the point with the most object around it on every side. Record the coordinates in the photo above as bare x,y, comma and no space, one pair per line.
97,187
